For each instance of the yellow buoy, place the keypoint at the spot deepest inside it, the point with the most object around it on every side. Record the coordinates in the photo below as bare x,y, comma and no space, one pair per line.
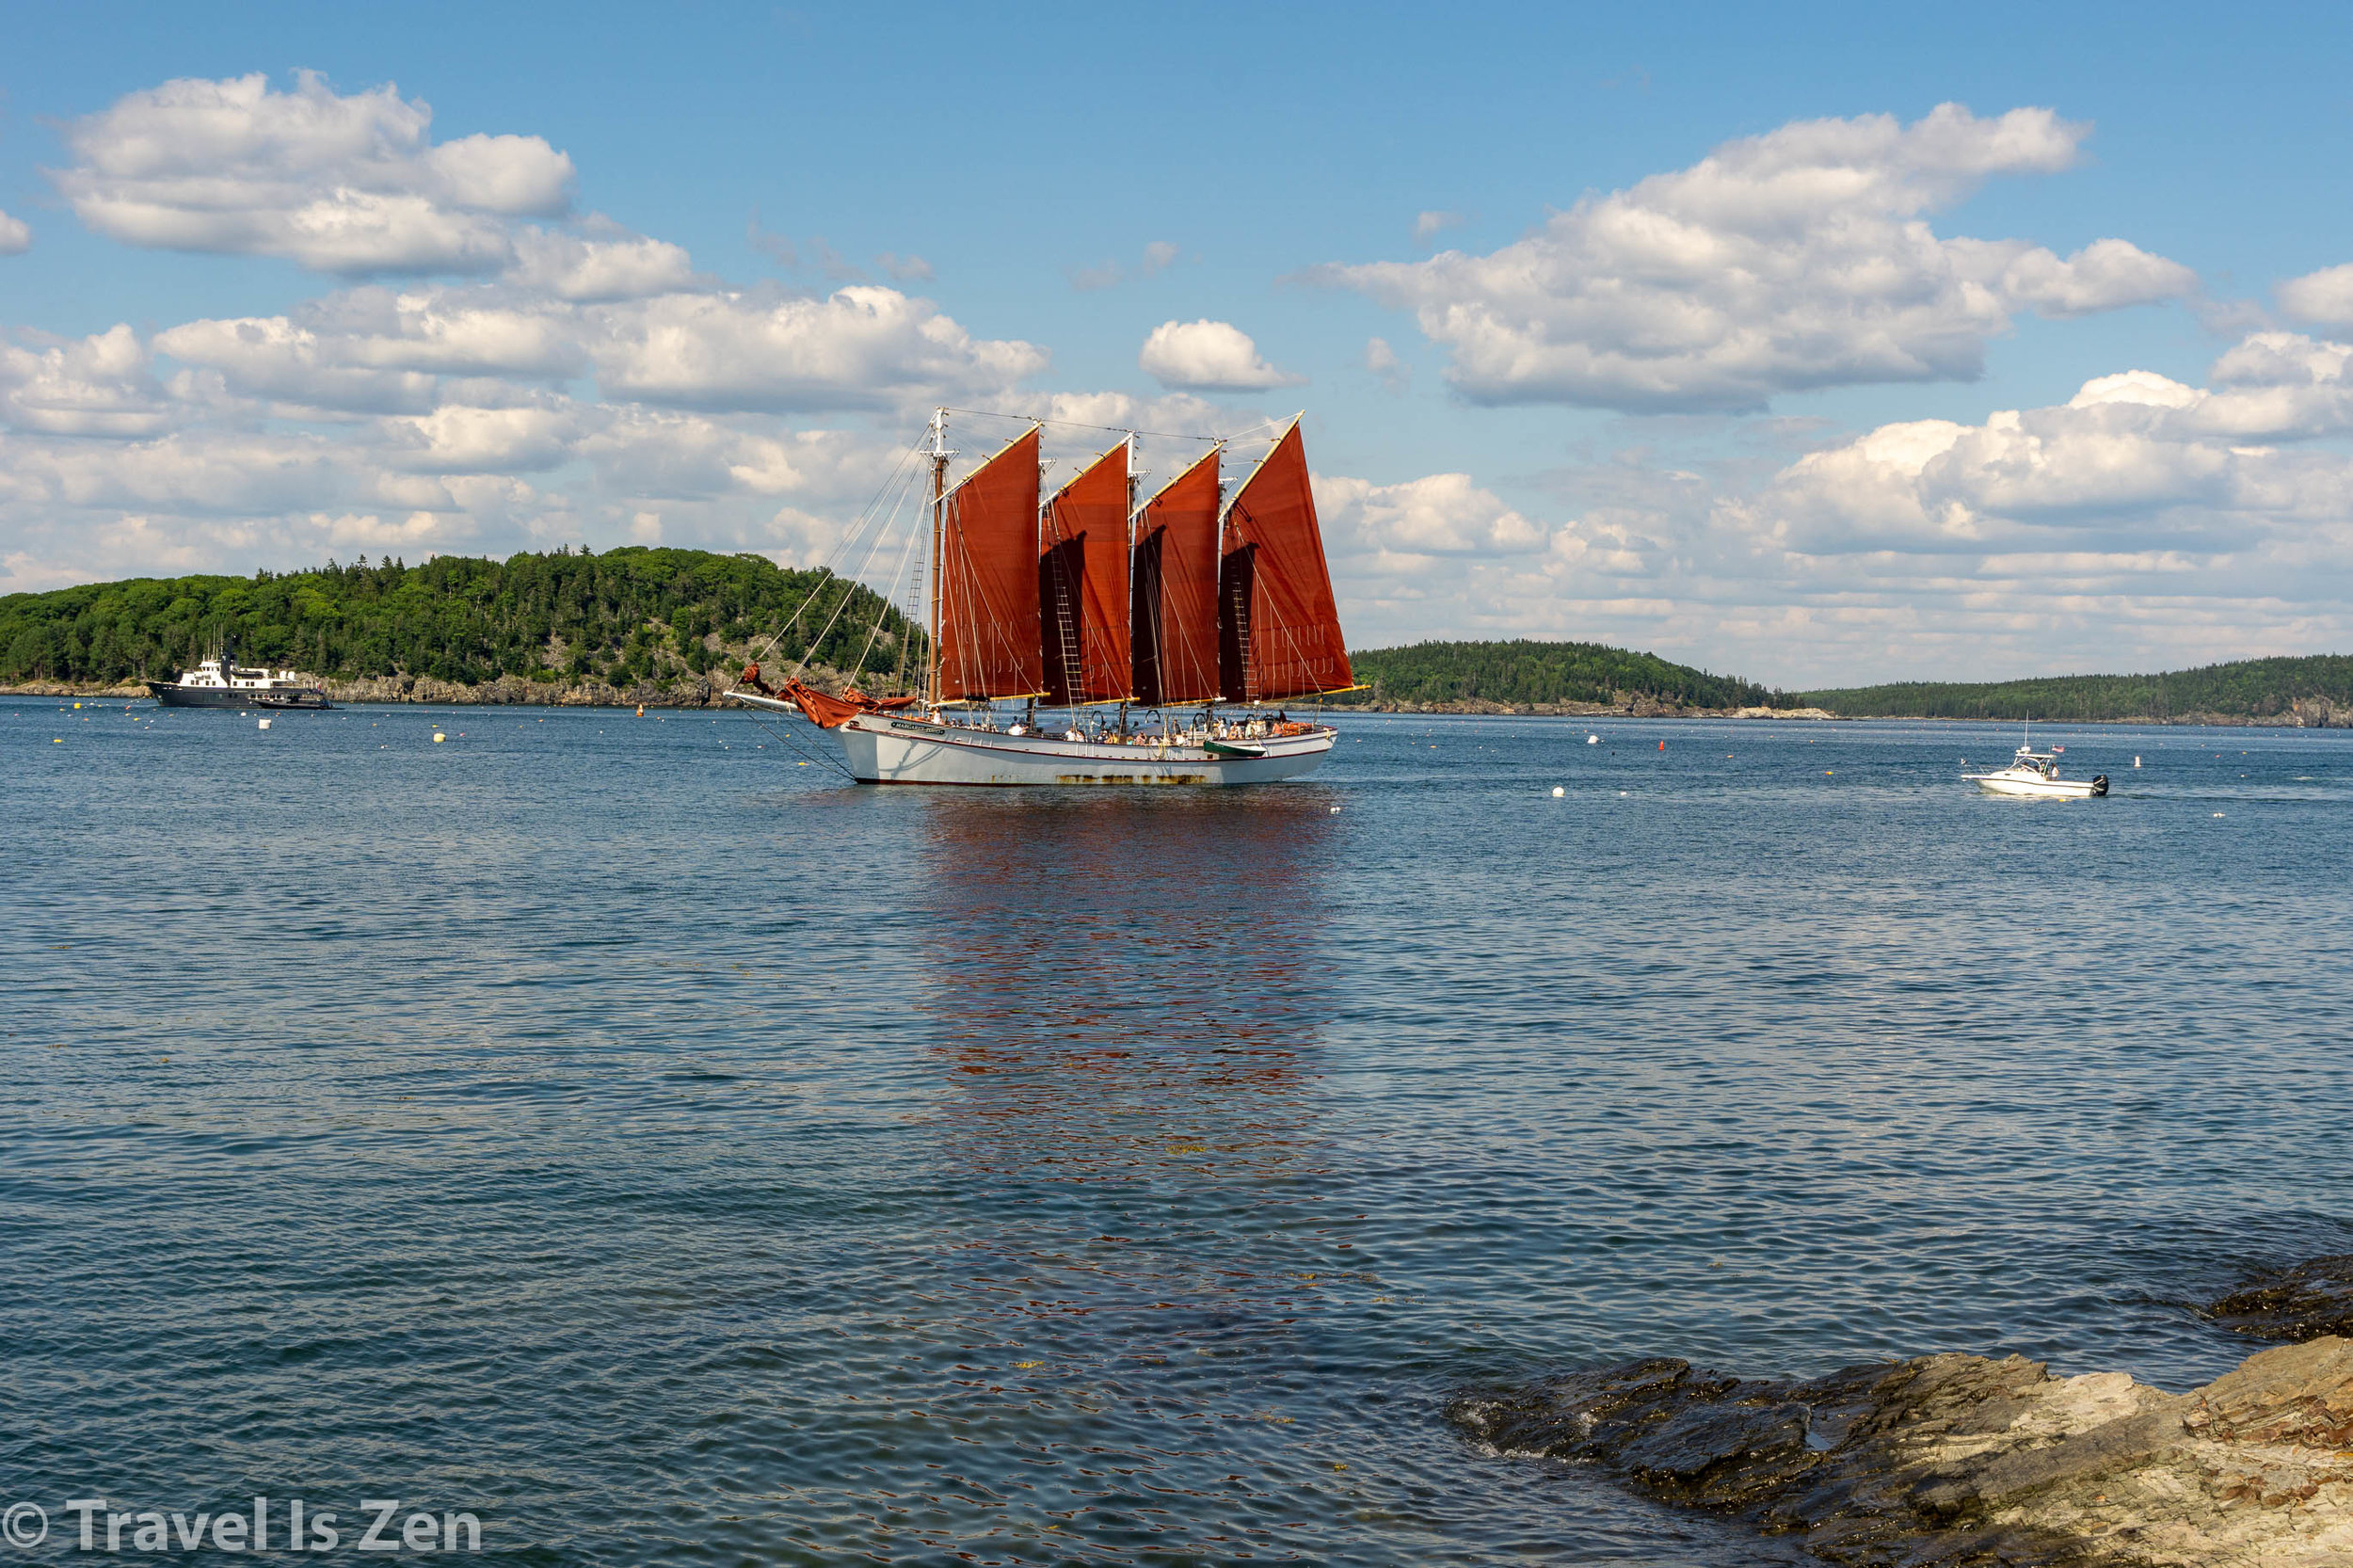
439,737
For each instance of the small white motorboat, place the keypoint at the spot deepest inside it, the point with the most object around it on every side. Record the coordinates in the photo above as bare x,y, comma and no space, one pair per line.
2034,774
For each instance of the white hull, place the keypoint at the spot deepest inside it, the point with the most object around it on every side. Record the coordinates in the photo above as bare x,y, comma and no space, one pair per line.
882,748
2026,786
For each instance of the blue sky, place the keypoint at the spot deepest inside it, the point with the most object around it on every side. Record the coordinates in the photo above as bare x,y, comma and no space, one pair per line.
1813,481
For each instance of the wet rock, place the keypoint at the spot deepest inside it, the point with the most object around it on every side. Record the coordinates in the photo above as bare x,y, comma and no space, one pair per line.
2302,1302
1957,1460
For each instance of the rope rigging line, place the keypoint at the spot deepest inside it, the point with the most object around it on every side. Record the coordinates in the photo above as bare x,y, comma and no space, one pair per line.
820,755
841,552
898,574
851,581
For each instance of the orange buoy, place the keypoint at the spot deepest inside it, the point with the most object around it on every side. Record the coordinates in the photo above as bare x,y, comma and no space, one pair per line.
1662,745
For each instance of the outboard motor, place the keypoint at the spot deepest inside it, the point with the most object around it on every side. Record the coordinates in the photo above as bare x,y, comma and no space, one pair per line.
2099,784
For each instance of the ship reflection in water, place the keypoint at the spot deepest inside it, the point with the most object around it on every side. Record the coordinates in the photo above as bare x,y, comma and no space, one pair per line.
1125,985
1138,1242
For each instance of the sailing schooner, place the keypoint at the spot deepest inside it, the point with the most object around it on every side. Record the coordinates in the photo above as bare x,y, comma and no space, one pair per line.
1083,600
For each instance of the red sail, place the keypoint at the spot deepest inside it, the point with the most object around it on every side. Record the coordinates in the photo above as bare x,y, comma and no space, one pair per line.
1279,633
986,587
1083,595
1173,588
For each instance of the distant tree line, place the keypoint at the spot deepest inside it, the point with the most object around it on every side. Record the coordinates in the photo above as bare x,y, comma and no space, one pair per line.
1528,672
2248,688
625,615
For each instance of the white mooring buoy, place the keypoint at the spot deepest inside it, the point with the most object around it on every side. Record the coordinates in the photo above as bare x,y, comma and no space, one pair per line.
1593,740
2135,762
266,724
1557,792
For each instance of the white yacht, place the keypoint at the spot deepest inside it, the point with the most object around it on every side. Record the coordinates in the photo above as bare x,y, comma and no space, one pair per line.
223,682
2034,774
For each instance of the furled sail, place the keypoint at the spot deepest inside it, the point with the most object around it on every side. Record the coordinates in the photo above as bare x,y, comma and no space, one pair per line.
1279,630
1172,589
1082,586
985,603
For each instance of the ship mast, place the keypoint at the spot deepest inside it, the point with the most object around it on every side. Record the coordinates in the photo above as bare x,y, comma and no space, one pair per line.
1128,557
939,455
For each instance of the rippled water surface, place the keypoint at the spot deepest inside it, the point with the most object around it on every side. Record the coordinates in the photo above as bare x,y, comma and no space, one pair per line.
614,1128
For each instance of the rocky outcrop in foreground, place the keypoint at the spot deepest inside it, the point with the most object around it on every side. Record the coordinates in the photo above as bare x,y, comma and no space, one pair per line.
2299,1303
1956,1460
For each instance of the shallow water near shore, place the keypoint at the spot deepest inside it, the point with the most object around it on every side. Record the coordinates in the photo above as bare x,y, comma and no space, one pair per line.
671,1153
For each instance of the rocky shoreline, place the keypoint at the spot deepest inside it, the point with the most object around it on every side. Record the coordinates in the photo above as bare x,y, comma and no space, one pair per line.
710,690
2317,714
1631,708
703,691
1964,1462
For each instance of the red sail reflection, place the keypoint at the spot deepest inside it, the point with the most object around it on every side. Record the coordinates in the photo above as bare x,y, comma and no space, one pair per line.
1151,1000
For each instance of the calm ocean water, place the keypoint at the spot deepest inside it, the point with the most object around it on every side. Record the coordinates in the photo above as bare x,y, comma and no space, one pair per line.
672,1154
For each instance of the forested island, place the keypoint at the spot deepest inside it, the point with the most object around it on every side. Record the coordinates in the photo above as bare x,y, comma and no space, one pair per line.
675,625
1541,677
1547,677
629,625
2314,691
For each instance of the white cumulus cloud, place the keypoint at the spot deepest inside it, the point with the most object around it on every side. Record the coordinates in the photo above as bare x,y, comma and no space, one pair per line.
1209,356
1802,258
335,183
456,439
606,264
101,385
576,381
270,357
16,235
1428,226
2133,458
376,350
861,347
1441,514
2324,298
